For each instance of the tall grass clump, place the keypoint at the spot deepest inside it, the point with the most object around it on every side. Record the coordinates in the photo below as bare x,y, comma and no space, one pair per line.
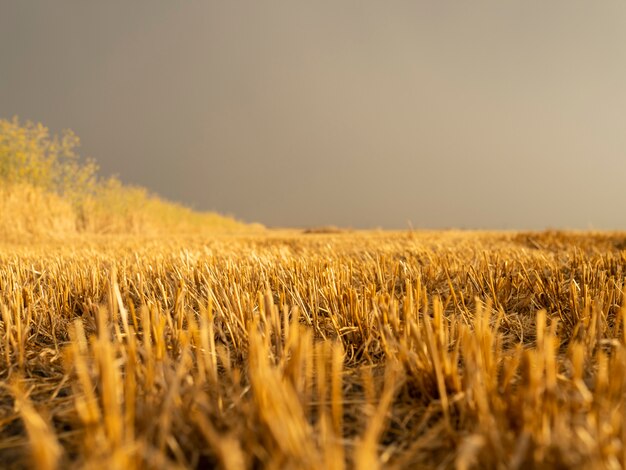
47,189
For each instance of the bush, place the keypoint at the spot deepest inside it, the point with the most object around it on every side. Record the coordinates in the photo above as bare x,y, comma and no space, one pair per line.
30,155
46,187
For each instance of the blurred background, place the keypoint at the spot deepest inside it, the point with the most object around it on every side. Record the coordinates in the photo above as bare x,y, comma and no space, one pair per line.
440,114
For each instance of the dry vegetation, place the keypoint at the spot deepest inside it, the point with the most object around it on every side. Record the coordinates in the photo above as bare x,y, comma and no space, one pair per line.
204,343
48,191
277,350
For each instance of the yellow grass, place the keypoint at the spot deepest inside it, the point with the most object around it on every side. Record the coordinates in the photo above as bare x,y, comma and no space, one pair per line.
324,350
48,191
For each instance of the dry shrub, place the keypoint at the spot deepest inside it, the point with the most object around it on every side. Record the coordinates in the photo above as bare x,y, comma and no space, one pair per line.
47,189
30,212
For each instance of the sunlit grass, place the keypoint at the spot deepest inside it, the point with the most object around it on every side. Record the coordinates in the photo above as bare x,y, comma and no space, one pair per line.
48,191
284,350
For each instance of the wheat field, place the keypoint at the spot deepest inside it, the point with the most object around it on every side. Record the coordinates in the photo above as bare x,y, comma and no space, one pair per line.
281,349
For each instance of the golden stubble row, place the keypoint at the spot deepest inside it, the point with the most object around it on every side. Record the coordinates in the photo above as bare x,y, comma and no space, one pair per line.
354,350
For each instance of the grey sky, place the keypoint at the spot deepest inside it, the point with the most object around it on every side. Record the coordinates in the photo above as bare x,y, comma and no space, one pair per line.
484,114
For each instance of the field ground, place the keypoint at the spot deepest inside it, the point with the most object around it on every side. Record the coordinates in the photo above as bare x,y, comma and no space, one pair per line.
321,350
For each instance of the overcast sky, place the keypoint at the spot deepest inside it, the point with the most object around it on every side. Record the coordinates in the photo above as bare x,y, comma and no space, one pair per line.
481,114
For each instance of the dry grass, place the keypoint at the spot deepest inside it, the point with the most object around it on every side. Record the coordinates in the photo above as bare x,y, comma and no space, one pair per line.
48,191
31,214
358,350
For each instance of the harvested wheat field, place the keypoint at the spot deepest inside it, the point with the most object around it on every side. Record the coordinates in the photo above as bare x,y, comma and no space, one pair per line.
289,350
